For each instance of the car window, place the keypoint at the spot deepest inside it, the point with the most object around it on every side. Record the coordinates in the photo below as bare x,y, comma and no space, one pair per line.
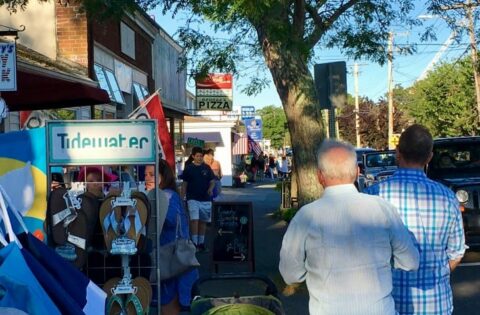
459,156
380,160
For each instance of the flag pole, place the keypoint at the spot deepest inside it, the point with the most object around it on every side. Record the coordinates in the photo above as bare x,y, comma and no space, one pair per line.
142,104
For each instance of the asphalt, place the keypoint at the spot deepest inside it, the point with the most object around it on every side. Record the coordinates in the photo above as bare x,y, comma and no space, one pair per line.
268,235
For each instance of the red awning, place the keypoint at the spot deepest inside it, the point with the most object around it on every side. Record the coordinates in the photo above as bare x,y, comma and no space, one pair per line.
50,89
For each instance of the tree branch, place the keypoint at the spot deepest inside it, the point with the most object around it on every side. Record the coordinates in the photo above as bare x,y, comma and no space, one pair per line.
322,25
299,18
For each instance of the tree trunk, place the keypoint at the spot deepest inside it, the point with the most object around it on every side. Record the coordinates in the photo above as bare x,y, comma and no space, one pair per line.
295,86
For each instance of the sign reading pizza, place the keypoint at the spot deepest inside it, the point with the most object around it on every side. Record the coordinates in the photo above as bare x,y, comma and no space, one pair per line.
214,92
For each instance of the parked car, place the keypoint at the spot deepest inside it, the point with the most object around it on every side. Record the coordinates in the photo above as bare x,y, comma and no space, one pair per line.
361,152
377,166
456,164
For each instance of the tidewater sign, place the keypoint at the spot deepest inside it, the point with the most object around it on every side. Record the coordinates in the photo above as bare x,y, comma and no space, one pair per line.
101,142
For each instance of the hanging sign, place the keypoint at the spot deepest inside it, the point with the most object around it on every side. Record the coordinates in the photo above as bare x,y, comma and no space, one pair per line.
101,142
8,67
215,92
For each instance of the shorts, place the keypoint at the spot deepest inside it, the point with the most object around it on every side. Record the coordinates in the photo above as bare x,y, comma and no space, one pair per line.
200,210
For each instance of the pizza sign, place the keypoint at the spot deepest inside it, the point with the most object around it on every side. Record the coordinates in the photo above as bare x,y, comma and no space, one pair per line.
214,92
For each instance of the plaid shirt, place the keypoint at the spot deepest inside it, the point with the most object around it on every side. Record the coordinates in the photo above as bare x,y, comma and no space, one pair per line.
431,212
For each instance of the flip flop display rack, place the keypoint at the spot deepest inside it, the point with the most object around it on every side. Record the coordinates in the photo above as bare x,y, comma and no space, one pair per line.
107,225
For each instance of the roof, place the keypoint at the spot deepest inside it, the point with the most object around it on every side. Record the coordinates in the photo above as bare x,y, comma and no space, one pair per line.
43,83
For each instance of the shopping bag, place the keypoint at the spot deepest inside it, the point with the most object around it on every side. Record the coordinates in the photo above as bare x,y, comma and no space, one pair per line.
177,257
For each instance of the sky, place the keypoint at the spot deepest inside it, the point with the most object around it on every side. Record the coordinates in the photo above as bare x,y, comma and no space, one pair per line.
372,77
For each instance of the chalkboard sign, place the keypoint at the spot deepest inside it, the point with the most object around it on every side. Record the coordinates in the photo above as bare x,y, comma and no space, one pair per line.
232,228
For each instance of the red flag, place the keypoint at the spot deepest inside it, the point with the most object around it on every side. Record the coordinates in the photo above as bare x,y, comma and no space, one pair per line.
152,109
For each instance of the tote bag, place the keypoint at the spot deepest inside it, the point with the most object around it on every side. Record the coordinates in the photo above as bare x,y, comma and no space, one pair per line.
177,257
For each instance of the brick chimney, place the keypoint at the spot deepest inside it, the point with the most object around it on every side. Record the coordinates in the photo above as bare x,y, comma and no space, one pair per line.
72,34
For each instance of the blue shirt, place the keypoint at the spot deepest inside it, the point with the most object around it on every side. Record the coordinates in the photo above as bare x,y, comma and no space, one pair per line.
343,245
198,178
431,212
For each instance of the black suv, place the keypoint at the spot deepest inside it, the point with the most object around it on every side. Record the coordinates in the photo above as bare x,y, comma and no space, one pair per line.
456,164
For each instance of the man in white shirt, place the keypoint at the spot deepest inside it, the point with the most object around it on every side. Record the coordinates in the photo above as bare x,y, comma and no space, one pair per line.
345,243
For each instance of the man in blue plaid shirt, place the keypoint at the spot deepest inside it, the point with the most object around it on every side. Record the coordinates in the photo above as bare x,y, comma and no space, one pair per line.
431,212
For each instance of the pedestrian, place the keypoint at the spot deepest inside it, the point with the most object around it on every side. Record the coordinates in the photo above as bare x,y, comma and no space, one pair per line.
175,292
209,158
261,166
431,212
272,165
197,189
345,243
283,167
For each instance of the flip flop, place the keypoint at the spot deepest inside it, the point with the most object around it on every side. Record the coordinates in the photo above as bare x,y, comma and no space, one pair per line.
114,302
77,233
59,214
90,206
105,217
138,217
142,238
139,303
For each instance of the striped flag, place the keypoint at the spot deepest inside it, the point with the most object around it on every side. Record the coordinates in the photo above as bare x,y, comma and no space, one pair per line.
240,144
254,147
152,109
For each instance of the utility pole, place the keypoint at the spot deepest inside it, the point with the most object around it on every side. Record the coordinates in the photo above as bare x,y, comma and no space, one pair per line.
473,46
468,7
390,91
357,108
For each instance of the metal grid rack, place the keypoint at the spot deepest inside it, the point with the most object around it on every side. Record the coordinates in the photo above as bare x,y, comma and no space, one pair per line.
102,266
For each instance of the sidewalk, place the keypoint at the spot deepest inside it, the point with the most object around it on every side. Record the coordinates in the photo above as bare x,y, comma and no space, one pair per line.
268,235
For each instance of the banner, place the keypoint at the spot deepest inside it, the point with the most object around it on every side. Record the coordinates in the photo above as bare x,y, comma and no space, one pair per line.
152,109
23,169
254,128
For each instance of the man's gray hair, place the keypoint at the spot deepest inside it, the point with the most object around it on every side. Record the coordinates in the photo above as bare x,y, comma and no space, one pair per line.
335,168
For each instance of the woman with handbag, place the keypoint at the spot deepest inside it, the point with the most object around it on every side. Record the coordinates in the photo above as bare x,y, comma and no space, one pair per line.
175,291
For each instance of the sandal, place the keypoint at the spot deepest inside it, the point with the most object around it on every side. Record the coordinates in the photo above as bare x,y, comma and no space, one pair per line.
139,303
114,301
62,209
107,216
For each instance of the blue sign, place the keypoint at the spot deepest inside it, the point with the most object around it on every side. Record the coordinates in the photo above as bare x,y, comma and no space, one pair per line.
254,128
248,112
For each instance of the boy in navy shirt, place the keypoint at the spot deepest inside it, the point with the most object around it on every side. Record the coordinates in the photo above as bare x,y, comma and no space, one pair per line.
197,187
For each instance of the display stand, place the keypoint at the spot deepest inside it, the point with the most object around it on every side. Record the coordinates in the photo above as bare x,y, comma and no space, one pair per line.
115,146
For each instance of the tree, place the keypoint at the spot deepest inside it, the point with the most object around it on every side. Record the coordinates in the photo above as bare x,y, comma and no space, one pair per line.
284,35
373,120
274,120
444,100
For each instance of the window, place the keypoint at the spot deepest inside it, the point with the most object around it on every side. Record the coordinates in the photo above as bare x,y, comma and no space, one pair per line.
127,37
140,91
109,83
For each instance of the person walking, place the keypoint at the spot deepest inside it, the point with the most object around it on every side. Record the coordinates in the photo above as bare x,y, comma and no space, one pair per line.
345,243
175,292
431,212
209,159
197,188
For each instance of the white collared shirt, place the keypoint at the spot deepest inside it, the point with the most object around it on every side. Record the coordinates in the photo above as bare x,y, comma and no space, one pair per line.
344,245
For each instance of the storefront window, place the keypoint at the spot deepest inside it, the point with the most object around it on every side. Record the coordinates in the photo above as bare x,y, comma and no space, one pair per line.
108,82
140,91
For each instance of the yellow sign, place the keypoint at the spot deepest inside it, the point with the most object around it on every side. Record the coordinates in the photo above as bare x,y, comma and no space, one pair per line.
394,140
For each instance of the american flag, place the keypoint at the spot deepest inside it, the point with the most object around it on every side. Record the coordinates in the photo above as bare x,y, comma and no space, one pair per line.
240,144
253,146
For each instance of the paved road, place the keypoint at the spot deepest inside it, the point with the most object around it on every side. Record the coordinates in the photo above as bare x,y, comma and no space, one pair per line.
268,234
